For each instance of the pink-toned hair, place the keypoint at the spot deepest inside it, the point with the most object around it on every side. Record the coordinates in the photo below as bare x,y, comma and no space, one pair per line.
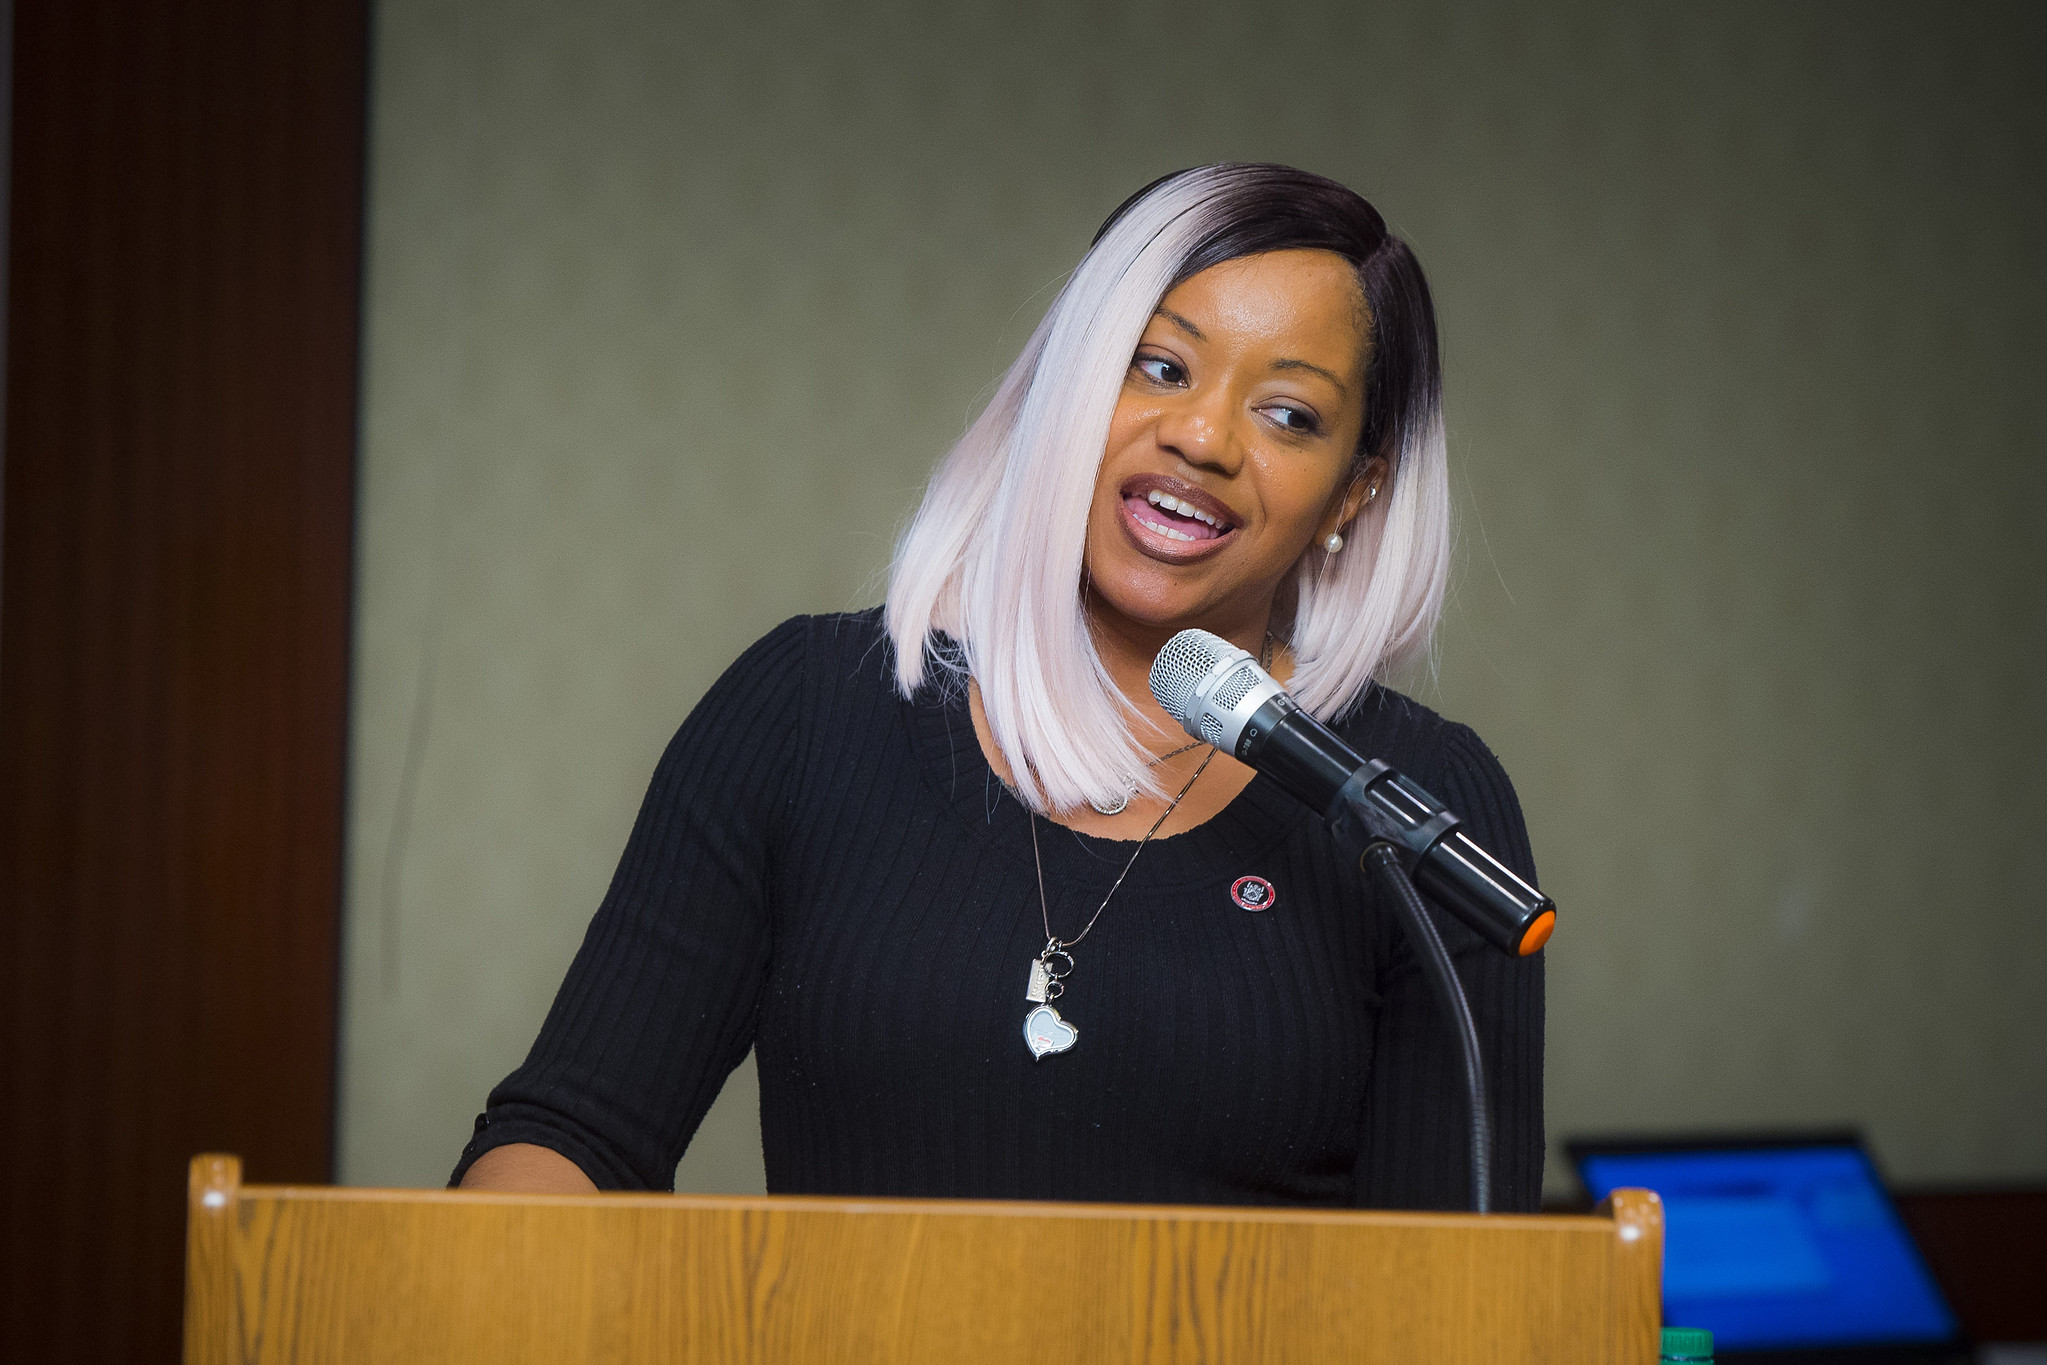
993,557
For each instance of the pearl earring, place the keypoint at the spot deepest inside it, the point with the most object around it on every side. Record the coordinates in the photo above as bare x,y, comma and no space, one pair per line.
1334,543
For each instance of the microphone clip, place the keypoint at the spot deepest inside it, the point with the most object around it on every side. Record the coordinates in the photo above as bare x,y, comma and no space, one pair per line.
1361,815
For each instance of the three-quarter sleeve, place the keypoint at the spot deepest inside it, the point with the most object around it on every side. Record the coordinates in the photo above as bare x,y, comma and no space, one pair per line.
1415,1151
661,1001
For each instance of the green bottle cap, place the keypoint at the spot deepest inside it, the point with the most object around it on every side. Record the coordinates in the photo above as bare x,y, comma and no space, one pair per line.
1687,1343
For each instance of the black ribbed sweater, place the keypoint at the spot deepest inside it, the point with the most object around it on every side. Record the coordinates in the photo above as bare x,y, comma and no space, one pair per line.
832,875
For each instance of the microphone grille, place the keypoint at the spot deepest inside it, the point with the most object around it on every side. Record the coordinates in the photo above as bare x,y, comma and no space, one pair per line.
1236,686
1187,658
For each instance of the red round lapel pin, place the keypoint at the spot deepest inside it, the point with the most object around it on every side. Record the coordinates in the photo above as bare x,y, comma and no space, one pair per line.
1253,893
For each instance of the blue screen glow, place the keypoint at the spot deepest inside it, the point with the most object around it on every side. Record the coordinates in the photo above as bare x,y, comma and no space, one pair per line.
1782,1246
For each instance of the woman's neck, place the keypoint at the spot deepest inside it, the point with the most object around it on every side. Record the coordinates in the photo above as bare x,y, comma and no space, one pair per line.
1127,647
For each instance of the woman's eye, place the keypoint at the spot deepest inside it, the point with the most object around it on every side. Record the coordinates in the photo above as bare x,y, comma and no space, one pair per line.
1297,420
1159,370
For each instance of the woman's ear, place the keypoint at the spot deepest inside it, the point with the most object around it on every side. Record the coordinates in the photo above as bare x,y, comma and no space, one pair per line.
1362,494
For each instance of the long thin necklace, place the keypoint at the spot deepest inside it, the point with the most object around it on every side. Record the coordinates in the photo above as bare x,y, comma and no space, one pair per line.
1122,802
1117,805
1044,1031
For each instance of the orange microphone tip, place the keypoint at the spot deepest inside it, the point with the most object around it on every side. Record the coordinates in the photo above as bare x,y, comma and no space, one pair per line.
1538,933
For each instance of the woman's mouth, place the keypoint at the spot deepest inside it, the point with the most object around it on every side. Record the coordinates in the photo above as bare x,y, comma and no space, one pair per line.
1170,520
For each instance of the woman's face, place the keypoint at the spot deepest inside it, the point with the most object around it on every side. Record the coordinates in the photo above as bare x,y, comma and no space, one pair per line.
1231,449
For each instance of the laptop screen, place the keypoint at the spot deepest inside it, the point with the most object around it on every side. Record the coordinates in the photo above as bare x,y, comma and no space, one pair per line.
1772,1247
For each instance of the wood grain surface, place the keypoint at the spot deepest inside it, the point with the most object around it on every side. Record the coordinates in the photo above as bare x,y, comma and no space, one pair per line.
310,1275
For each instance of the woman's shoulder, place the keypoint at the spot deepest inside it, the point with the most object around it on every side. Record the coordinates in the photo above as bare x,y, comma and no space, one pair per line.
1447,758
806,661
833,658
835,640
848,648
811,679
1385,723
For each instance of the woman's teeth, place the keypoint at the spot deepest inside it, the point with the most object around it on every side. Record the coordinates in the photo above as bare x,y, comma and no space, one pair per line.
1185,509
1185,522
1168,532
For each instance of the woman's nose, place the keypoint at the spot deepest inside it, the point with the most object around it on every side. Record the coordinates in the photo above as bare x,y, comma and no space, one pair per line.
1199,432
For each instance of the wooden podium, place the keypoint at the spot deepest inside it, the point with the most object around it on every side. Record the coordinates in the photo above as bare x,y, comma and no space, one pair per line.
315,1274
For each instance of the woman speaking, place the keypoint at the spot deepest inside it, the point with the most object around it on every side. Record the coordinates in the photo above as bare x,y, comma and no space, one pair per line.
871,839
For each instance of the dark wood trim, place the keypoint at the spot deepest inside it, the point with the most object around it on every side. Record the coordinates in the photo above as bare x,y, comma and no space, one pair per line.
174,625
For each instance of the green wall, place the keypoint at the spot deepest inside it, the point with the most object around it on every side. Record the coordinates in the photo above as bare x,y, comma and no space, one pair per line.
671,309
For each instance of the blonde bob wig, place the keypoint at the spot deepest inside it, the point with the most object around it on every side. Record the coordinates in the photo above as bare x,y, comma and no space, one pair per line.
987,579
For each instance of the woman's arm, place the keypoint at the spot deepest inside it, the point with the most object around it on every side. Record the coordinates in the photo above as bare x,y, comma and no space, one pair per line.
659,1004
523,1168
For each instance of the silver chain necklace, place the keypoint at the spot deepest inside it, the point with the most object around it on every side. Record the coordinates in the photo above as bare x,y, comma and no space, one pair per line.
1122,803
1044,1031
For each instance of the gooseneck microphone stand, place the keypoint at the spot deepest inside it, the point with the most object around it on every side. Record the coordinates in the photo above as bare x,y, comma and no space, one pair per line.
1222,696
1382,861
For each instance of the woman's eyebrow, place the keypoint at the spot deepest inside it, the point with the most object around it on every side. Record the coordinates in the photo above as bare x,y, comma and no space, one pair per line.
1189,328
1312,368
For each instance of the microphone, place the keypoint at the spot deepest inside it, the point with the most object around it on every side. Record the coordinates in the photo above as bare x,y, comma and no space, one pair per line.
1222,697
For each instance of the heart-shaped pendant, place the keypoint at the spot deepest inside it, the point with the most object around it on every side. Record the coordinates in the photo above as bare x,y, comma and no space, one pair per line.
1046,1032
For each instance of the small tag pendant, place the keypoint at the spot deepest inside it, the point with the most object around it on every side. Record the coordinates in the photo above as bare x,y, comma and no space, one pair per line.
1041,977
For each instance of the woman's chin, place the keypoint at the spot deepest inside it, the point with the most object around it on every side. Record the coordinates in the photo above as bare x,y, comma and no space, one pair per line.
1152,584
1144,600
